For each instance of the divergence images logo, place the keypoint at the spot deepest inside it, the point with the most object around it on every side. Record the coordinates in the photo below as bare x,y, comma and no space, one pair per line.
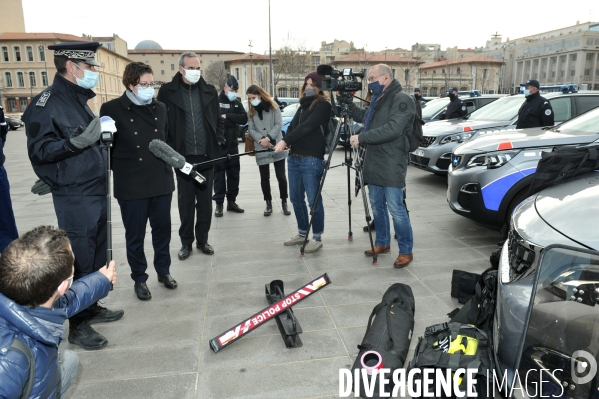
583,362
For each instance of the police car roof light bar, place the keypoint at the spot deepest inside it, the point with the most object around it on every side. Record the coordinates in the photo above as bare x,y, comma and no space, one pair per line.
251,323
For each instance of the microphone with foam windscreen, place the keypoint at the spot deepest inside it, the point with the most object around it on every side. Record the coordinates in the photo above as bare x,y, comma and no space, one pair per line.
174,159
324,69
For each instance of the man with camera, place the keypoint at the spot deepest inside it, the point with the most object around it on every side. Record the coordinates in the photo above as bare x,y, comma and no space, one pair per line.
63,144
388,121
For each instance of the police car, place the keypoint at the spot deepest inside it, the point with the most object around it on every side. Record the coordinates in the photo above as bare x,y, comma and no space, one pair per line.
434,154
491,174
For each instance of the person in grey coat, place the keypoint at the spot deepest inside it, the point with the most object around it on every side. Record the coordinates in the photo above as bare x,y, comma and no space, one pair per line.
387,123
264,126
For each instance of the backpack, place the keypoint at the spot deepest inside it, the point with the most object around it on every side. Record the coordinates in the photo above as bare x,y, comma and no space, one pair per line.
562,164
20,346
463,285
415,137
453,346
389,334
329,135
479,310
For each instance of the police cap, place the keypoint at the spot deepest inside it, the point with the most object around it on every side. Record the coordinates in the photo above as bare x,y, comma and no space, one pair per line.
452,89
77,51
232,83
531,82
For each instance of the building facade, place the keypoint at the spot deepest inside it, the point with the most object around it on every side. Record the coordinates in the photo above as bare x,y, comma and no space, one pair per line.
250,69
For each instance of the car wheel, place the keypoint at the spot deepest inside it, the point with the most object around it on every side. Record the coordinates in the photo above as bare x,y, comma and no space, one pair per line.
12,127
242,135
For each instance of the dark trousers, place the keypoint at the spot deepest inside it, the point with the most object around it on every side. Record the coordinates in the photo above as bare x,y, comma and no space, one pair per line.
265,179
194,201
135,214
226,178
8,227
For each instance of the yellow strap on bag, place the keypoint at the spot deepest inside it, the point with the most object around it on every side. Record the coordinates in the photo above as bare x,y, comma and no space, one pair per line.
468,345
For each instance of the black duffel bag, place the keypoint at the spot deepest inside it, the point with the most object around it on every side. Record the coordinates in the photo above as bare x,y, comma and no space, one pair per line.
479,310
389,334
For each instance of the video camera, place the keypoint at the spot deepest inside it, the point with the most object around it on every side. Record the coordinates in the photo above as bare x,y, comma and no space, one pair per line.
345,81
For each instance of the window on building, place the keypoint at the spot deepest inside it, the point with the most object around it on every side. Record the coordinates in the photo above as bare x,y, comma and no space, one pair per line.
29,53
5,54
8,79
162,72
573,57
587,72
172,67
573,72
562,73
458,70
12,105
597,72
42,51
23,103
596,42
553,74
147,62
590,42
17,53
20,79
282,92
44,78
237,73
32,80
162,61
433,92
544,75
294,92
590,56
485,74
315,60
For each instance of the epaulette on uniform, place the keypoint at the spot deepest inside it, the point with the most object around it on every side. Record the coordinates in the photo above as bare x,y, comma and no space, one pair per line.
41,102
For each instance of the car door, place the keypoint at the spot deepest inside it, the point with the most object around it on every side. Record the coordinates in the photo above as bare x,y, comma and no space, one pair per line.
562,109
560,347
585,103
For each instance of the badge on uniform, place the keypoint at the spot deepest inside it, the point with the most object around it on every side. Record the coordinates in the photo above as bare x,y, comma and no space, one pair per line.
463,108
547,112
41,102
222,105
403,106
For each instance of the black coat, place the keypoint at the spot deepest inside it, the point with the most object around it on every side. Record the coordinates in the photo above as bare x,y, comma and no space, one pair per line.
535,112
304,134
235,116
50,120
455,109
137,173
170,95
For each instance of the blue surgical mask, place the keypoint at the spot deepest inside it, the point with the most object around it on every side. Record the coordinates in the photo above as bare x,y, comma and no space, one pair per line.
526,92
375,88
310,92
232,96
90,78
255,102
145,93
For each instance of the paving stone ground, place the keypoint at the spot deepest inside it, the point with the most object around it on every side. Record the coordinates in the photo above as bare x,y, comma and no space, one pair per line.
159,349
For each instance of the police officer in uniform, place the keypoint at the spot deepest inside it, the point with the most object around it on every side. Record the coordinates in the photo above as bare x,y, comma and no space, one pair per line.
536,110
63,144
8,227
456,107
234,115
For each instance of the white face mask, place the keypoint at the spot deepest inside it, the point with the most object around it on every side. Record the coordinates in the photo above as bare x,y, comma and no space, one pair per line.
192,75
255,102
526,92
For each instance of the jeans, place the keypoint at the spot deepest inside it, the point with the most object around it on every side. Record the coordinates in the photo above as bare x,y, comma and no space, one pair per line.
390,199
304,179
68,370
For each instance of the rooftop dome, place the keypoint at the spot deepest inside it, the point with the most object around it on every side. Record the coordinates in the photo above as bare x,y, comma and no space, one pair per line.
148,45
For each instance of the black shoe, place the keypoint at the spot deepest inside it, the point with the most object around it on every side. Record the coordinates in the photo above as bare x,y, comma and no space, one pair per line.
168,281
218,212
205,248
365,228
286,211
82,334
142,291
99,314
232,206
185,252
268,210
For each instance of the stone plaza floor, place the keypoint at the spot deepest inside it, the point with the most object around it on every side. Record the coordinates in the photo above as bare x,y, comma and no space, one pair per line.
159,349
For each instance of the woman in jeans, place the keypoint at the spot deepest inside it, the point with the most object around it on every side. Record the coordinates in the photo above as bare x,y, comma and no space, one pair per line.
306,144
143,184
264,125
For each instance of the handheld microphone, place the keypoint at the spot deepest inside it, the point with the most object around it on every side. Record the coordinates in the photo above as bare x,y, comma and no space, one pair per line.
174,159
324,69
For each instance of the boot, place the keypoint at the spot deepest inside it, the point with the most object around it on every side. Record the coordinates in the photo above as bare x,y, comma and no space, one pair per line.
268,210
233,207
99,314
286,211
365,228
82,334
218,212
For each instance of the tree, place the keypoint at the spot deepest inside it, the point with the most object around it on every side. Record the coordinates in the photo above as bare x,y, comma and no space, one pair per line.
216,74
292,63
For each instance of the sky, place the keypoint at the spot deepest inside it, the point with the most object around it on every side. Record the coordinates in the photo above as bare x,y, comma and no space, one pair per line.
232,24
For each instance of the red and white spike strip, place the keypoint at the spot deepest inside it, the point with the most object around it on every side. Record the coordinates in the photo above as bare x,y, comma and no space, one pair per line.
245,327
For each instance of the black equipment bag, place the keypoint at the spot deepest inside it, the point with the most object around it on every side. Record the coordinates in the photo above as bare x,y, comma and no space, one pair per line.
480,308
463,285
329,135
453,346
389,334
562,164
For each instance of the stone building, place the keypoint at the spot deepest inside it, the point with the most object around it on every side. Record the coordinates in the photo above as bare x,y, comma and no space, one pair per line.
249,69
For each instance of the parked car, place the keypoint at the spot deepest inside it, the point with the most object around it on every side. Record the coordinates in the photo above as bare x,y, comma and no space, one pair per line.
547,295
14,123
287,101
434,155
491,174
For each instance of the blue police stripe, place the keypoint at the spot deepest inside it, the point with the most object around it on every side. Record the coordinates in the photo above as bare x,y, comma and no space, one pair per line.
494,192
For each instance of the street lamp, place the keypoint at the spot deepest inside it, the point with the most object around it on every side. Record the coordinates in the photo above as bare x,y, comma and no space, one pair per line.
272,87
251,63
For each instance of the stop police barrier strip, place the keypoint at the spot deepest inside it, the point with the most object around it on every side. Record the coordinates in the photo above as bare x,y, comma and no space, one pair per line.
228,337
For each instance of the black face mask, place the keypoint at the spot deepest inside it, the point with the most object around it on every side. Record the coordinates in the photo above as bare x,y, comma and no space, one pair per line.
452,96
417,96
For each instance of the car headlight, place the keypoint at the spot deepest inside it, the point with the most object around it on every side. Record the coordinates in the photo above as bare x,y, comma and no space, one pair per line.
457,138
495,160
477,160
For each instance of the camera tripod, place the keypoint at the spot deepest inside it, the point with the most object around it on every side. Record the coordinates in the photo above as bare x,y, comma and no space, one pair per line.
346,121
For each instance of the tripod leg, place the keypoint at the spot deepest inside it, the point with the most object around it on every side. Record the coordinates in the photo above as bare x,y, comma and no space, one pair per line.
348,162
367,213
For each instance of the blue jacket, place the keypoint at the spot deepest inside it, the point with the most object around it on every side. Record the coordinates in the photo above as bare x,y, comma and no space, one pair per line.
50,121
16,320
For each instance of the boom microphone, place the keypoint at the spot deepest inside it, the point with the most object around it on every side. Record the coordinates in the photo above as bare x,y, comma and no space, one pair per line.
174,159
324,69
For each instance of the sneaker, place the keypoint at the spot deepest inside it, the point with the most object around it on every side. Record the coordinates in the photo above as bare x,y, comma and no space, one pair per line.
312,246
99,314
295,240
85,336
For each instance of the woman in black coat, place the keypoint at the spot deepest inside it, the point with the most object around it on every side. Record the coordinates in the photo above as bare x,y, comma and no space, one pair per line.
143,184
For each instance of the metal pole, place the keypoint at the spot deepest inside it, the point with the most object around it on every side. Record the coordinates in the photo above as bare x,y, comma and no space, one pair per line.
272,86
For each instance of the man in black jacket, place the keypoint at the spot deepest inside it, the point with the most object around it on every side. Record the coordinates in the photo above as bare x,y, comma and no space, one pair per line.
195,130
456,107
536,110
234,115
8,227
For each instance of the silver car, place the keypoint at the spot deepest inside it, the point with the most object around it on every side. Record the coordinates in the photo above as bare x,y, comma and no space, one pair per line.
546,324
442,137
491,174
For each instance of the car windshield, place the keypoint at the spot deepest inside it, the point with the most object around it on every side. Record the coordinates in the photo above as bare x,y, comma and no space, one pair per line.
434,106
502,109
587,123
290,110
